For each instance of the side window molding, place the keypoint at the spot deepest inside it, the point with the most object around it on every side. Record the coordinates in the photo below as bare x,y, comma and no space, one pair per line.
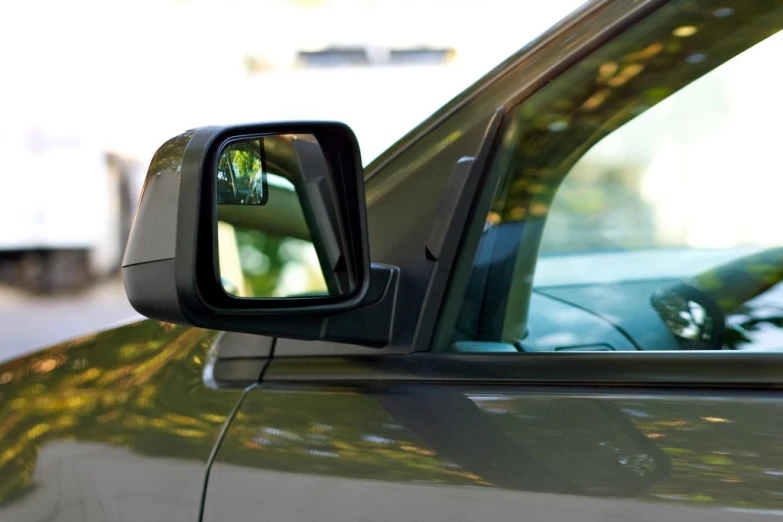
456,209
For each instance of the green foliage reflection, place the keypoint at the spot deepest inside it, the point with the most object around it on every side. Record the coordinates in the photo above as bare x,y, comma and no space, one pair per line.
552,130
137,386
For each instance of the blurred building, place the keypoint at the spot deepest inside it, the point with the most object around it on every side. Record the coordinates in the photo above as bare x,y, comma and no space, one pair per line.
108,81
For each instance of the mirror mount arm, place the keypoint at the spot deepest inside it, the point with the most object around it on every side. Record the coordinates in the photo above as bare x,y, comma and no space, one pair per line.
372,323
368,323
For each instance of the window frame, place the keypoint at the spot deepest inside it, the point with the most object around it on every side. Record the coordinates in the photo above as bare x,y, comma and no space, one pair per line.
447,321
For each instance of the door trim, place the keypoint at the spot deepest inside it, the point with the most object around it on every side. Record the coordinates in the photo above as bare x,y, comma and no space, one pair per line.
693,369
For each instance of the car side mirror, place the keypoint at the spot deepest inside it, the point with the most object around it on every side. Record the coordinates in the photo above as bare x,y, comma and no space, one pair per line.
260,229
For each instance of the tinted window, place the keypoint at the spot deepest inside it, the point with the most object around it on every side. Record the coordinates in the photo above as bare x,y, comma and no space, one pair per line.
639,203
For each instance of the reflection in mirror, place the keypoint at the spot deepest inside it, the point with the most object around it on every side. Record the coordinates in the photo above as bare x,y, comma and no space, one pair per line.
241,176
271,241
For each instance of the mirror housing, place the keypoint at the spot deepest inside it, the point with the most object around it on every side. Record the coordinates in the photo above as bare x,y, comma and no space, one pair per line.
171,267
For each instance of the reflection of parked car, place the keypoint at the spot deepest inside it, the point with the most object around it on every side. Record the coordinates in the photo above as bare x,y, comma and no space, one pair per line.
490,364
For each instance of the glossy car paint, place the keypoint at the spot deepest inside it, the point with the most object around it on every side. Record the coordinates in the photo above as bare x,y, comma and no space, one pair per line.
369,451
113,426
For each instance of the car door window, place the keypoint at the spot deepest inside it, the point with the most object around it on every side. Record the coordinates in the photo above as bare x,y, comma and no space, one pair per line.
638,206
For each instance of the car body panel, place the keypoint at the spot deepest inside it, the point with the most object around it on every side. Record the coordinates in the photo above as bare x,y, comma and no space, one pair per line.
112,426
375,451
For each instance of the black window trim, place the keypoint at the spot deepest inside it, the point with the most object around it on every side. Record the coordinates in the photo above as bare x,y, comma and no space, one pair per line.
711,370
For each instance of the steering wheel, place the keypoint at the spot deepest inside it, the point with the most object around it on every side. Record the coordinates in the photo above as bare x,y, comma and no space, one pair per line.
695,311
692,316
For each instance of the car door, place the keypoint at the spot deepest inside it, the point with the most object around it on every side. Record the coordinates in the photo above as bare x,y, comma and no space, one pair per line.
116,425
594,335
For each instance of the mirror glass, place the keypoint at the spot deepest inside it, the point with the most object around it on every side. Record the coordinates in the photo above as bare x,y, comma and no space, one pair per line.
276,233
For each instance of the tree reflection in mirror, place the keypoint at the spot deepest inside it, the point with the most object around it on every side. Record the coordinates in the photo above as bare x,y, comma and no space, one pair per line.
265,245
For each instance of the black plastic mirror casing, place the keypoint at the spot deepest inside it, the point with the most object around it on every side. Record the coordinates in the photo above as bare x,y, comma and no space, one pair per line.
170,268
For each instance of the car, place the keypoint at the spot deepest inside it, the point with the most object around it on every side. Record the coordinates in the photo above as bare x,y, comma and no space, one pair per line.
557,298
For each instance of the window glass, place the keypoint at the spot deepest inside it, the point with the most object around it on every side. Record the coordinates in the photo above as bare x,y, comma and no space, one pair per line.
696,171
638,208
258,263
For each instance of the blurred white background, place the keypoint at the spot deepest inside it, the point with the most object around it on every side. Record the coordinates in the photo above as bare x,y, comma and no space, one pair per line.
92,87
